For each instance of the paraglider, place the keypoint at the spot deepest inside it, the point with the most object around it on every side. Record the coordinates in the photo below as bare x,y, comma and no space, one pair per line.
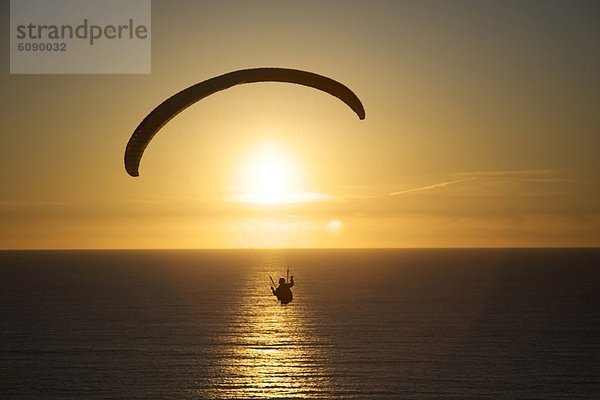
283,292
172,106
175,104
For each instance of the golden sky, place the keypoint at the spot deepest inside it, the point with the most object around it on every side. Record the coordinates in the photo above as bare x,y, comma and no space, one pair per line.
482,130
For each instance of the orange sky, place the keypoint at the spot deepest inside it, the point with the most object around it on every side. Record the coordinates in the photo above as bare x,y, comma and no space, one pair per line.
481,130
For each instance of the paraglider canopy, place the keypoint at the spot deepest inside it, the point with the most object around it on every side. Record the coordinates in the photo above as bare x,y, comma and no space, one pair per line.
172,106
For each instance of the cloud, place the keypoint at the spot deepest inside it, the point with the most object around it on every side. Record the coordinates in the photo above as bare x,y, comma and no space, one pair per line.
431,187
510,173
529,175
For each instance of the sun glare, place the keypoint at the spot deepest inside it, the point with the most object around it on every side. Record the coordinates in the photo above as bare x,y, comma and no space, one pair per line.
270,176
334,227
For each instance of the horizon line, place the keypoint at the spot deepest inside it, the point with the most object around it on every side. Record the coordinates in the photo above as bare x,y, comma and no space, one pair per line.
305,248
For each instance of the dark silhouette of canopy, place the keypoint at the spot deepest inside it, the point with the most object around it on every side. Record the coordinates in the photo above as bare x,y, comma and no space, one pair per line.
172,106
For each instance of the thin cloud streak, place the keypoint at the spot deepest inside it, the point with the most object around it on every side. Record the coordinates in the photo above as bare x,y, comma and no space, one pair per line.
529,175
431,187
510,173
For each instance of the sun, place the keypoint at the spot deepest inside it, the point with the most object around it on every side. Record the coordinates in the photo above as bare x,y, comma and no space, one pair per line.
270,175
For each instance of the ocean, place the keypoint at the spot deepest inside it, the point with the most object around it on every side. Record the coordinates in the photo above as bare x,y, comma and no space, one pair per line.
364,324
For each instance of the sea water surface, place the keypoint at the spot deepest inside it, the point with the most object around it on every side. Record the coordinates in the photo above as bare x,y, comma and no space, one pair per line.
364,324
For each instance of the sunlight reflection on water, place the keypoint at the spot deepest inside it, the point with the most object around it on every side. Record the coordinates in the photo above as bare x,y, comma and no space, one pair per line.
269,351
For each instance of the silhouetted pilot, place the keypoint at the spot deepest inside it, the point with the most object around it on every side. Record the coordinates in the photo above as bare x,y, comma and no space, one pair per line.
283,292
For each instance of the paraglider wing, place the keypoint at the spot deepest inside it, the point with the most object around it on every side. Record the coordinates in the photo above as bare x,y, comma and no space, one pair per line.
169,108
